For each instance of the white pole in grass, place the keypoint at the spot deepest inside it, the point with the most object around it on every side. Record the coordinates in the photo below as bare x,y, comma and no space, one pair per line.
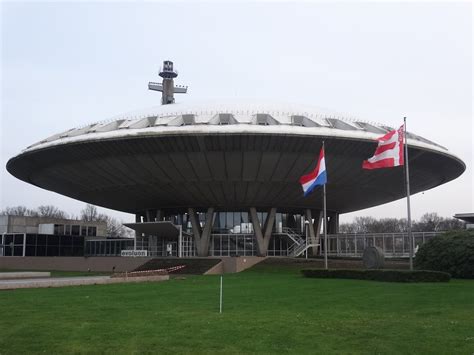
220,298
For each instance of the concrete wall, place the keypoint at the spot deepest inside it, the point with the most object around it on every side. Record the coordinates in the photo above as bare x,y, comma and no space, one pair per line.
71,263
228,264
3,224
231,264
217,269
27,224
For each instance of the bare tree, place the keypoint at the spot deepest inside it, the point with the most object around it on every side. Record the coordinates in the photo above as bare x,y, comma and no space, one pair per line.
89,213
51,211
115,229
18,211
429,222
452,224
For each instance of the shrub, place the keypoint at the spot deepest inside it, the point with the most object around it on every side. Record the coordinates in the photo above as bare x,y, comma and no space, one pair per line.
379,275
452,252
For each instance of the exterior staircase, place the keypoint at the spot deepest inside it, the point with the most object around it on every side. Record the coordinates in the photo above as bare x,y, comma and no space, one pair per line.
299,245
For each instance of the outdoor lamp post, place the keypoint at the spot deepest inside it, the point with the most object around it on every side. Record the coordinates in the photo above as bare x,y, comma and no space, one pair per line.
306,224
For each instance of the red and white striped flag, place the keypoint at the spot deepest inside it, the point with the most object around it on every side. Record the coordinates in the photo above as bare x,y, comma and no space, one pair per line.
389,152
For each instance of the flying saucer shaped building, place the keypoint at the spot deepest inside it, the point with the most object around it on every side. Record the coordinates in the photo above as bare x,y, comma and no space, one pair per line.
227,173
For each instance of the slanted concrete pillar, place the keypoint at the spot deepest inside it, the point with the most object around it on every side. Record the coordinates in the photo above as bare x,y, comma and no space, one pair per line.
202,235
333,223
148,216
317,228
159,215
313,229
310,228
263,237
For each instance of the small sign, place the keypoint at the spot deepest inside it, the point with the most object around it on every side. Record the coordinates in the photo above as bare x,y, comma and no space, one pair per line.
134,253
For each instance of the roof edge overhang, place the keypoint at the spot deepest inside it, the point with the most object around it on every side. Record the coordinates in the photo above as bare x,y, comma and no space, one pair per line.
238,129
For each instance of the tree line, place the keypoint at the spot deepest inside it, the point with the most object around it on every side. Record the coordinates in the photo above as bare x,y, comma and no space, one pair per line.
89,213
429,222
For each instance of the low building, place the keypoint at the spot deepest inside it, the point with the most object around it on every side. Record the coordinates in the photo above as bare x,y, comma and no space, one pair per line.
43,236
466,217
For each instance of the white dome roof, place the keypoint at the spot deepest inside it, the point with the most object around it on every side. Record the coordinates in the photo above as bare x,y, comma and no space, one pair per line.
243,116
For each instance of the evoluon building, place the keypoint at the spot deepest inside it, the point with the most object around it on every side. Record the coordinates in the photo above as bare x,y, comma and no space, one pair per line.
222,178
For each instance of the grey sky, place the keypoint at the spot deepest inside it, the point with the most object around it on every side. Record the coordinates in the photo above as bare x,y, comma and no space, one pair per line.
68,64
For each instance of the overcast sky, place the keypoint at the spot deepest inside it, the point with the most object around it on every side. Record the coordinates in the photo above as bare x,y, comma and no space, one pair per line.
69,64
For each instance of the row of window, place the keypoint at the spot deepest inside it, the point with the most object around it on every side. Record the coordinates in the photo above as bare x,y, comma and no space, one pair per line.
67,229
107,247
42,245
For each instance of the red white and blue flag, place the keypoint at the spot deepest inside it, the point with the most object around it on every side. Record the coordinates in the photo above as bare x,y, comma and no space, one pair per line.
389,152
315,178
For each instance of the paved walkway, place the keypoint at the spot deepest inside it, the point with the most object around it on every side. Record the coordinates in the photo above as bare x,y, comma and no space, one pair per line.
75,281
23,275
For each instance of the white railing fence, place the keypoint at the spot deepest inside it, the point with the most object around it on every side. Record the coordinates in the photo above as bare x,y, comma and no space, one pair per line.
394,245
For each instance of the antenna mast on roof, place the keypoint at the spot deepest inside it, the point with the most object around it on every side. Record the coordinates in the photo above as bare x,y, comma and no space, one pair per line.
167,87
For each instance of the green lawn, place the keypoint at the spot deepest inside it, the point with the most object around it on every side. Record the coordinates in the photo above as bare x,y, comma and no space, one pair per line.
264,311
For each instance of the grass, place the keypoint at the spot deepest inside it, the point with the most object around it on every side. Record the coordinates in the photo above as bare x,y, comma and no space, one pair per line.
266,310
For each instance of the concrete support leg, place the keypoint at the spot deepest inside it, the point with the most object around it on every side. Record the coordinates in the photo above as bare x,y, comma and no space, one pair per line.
202,235
153,245
317,229
333,223
159,215
148,216
310,231
314,229
263,237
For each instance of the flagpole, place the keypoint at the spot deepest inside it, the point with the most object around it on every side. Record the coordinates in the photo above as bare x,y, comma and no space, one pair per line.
325,222
407,182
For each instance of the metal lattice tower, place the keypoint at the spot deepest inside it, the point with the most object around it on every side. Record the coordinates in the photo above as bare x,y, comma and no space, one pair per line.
167,87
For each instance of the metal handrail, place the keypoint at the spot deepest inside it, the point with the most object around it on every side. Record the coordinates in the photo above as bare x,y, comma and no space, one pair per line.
393,244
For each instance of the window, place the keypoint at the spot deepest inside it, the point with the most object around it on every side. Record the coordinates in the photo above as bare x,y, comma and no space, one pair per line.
91,231
58,229
84,230
67,229
229,221
236,222
75,230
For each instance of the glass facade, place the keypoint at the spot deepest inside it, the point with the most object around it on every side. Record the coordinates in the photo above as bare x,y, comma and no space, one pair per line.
159,247
42,245
107,247
232,235
232,245
240,223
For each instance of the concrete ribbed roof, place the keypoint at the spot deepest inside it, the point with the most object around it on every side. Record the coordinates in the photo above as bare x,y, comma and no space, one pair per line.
231,117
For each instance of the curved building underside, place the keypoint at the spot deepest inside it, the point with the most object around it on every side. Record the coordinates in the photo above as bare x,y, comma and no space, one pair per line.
195,163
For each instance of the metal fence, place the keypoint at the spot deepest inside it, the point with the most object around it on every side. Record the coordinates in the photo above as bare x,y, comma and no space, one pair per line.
394,245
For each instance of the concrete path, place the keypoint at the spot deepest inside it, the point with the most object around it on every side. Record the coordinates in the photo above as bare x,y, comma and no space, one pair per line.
75,281
23,275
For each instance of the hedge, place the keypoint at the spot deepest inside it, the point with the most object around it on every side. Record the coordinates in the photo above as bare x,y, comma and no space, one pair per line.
452,252
379,275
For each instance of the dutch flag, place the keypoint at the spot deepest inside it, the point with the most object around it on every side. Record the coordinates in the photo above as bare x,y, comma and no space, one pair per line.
317,177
